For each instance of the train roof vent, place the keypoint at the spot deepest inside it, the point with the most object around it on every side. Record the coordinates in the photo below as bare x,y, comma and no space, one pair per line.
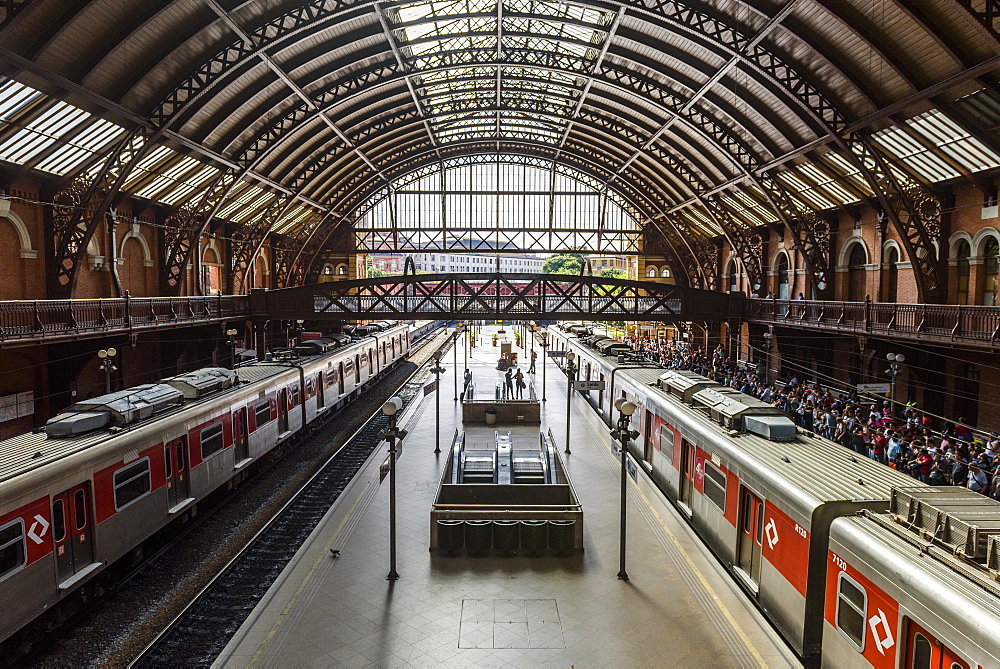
961,520
771,427
116,409
202,381
684,383
993,554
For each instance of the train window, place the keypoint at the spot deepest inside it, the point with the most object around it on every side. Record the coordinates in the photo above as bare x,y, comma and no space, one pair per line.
58,520
262,411
168,460
667,444
211,440
293,395
131,483
80,509
852,609
12,549
921,652
715,485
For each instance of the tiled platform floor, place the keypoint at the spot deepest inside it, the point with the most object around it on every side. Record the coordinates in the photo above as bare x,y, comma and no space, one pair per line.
678,610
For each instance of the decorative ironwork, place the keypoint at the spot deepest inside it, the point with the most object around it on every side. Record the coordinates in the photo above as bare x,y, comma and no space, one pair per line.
913,210
811,233
746,245
490,296
80,206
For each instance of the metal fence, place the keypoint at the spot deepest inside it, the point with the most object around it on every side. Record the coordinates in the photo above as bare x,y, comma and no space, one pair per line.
975,325
46,320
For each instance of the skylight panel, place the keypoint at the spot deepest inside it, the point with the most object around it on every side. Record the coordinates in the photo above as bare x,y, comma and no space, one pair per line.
148,165
961,146
15,96
41,133
844,167
828,184
742,211
167,178
761,210
914,154
244,197
807,192
189,185
80,148
255,209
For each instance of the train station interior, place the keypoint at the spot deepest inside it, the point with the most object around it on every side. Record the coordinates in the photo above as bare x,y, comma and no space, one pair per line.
232,230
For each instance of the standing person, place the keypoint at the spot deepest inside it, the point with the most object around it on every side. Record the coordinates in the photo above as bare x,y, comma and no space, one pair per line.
519,378
508,382
534,356
468,380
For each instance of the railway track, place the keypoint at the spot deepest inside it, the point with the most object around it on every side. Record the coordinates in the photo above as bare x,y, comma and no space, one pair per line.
202,629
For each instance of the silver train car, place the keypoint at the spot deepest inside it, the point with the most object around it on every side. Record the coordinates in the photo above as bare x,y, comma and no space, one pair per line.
769,499
111,471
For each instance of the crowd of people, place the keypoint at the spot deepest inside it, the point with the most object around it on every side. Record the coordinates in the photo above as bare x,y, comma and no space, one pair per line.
935,451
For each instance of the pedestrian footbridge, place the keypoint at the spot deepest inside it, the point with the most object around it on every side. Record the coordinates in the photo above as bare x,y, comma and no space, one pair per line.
477,296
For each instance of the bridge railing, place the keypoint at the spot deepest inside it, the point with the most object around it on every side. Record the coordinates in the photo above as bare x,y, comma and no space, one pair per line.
975,325
45,320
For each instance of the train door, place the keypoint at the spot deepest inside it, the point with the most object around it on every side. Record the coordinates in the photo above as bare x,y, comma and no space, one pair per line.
71,530
751,534
340,379
647,436
687,474
923,651
241,435
175,459
320,391
282,411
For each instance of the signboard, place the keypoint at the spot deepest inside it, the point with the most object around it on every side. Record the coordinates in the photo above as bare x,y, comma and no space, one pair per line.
588,385
874,387
26,404
8,408
306,336
430,387
556,354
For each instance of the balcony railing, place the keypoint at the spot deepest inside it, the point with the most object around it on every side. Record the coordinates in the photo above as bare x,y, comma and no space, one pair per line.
38,321
967,325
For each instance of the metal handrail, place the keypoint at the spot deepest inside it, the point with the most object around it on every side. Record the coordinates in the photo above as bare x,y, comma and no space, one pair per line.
41,320
973,324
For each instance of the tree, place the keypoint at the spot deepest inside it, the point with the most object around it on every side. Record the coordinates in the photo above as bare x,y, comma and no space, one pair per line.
374,272
613,273
563,263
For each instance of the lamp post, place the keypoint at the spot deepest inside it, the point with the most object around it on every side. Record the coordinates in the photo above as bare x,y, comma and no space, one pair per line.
570,368
437,369
454,360
544,344
231,333
107,366
391,434
895,360
623,434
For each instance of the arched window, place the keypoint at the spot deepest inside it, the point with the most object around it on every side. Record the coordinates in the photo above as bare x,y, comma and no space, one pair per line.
734,283
857,273
962,253
890,276
781,275
990,251
651,273
665,273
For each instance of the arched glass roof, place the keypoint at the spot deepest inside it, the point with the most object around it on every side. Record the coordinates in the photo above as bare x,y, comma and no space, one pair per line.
710,119
499,203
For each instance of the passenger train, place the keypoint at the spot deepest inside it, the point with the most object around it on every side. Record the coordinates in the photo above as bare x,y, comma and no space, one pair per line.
109,472
855,564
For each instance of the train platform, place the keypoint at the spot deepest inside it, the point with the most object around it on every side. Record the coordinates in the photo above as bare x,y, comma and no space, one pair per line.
679,608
